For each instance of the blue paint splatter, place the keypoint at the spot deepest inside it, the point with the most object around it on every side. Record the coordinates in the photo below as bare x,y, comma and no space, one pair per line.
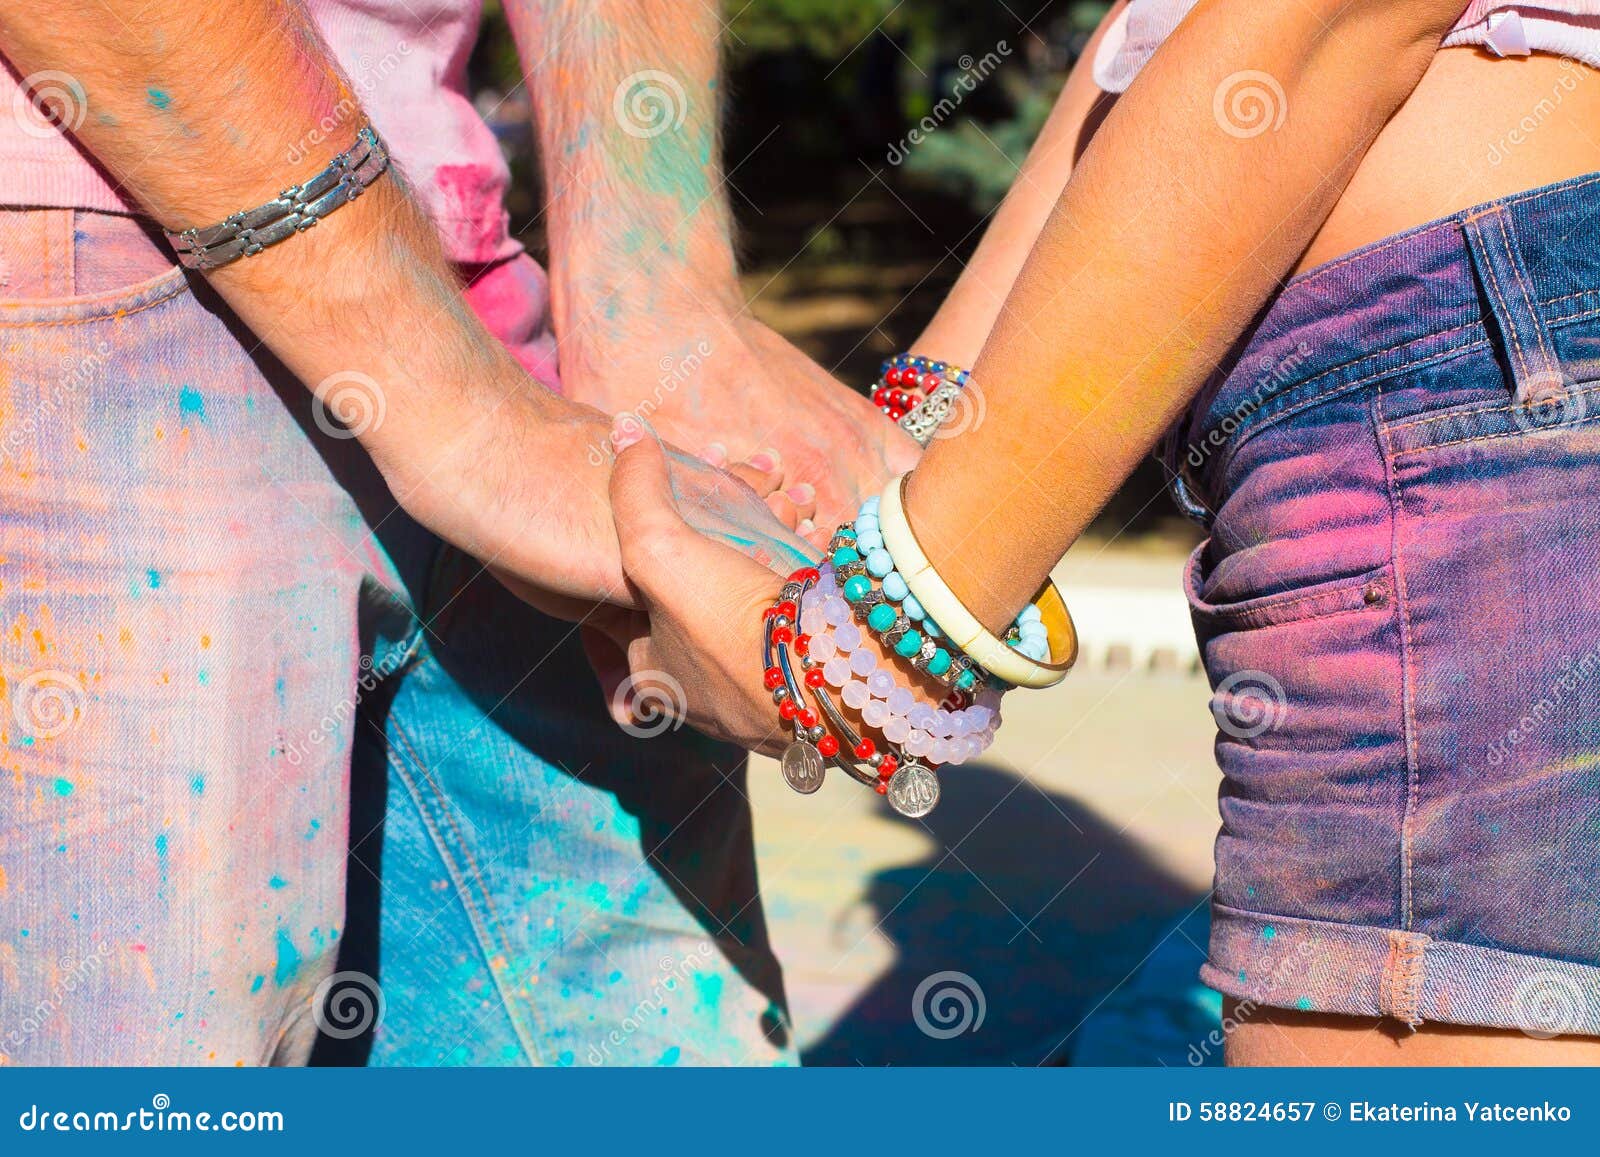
63,787
153,577
158,98
670,1057
1268,932
198,784
191,403
255,985
277,883
288,960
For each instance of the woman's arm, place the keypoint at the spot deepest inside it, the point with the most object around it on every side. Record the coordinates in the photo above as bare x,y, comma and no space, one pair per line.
1172,234
957,332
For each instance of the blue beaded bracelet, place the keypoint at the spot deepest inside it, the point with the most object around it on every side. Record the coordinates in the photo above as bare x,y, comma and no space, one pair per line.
1027,636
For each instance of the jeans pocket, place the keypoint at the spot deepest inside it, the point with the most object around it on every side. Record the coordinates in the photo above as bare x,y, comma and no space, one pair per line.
1370,590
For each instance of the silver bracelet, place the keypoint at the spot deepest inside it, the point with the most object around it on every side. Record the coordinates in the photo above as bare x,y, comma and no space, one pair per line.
924,420
293,211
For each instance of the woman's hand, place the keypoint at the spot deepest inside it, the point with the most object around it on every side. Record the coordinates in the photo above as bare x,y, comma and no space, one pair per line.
695,643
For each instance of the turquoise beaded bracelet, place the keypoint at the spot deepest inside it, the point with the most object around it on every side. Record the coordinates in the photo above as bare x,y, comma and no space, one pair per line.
896,628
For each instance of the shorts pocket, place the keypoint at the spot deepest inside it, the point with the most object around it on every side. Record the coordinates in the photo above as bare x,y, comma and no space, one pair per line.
1371,590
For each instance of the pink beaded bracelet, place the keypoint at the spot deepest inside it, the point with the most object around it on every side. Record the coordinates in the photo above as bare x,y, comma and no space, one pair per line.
927,732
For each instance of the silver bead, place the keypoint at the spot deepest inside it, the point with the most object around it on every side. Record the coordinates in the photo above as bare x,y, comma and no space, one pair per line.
807,662
816,733
875,759
779,694
782,621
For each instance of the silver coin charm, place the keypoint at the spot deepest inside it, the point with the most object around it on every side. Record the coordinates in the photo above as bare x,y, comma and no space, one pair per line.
802,767
913,790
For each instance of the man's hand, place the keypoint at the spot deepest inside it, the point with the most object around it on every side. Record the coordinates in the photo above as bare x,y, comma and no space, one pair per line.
699,635
741,391
644,284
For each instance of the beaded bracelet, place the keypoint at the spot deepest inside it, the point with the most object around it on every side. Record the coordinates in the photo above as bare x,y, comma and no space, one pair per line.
898,629
905,380
938,734
911,787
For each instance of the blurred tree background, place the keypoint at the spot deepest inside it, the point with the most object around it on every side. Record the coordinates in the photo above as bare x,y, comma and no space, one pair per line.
850,234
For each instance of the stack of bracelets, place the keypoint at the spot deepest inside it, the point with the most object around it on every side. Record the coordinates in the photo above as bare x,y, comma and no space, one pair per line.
918,393
936,700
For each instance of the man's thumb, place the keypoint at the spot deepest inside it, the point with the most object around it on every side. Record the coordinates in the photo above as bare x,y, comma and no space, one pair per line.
642,505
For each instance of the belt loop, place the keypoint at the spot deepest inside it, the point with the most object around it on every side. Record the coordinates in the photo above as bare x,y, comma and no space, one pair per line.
1507,290
1181,485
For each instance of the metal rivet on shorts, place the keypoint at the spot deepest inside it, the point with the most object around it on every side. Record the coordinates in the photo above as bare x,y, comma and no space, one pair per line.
1375,594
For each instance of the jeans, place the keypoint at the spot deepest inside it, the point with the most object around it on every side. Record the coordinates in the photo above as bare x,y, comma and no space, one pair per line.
1399,612
278,761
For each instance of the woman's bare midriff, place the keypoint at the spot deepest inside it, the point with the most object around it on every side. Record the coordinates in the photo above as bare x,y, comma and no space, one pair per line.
1475,129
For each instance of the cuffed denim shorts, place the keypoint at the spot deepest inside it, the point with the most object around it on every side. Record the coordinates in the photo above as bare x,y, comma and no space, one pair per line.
1399,611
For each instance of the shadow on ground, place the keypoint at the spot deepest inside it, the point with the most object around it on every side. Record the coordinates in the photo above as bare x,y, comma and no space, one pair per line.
1051,914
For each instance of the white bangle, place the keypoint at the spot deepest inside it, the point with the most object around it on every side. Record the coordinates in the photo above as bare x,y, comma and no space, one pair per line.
960,625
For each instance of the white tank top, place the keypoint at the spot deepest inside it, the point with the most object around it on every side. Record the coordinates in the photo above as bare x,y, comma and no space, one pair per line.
1568,28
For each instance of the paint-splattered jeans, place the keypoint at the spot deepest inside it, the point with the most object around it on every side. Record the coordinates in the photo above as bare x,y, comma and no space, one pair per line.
237,679
1399,610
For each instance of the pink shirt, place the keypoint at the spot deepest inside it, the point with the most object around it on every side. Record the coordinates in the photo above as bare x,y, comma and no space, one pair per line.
406,60
1566,27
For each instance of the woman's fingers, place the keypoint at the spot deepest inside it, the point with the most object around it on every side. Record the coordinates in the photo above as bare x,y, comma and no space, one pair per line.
762,472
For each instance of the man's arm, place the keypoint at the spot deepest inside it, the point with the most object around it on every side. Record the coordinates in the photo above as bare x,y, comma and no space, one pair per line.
645,292
196,109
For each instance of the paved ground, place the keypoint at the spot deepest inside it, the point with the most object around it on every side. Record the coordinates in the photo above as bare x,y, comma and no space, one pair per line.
1047,874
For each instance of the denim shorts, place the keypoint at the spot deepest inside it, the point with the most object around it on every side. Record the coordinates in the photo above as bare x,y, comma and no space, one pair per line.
1399,611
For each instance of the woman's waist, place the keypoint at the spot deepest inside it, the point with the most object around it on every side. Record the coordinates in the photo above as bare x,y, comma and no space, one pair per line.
1475,130
1404,302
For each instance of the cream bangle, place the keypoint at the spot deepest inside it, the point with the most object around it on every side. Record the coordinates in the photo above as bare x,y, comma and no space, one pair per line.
960,625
